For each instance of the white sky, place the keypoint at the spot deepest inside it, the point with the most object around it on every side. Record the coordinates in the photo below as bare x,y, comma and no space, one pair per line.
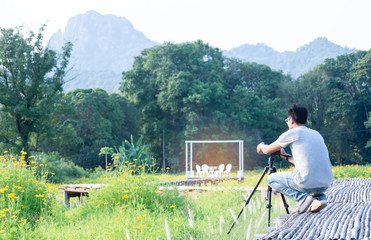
284,25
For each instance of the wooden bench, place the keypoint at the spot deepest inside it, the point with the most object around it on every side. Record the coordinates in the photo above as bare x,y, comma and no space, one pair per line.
78,190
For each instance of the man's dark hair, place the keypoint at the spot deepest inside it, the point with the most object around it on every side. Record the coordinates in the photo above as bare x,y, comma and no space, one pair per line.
298,113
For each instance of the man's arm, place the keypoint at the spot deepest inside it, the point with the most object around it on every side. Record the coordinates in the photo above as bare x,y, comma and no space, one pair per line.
263,148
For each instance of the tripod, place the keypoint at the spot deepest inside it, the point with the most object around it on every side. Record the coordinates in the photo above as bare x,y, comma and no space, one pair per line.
267,169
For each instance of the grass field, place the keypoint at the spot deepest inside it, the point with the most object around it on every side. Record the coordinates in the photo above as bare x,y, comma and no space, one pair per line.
130,207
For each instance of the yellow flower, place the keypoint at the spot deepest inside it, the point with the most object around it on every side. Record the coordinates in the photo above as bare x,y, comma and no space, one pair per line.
138,219
2,190
140,226
5,151
172,206
41,165
39,195
125,196
12,196
23,206
2,215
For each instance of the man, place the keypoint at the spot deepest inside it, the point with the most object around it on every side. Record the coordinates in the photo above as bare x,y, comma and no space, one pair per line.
312,175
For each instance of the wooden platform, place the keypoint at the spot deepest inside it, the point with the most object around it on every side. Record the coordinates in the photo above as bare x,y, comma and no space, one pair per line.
347,216
78,190
198,181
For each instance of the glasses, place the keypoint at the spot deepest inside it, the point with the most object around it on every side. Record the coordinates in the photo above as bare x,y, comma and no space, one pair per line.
287,120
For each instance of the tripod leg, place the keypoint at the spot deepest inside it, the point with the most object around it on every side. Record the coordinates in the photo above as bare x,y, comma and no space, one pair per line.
249,198
285,203
269,205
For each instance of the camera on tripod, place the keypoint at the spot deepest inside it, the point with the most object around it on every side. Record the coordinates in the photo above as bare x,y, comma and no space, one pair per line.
268,169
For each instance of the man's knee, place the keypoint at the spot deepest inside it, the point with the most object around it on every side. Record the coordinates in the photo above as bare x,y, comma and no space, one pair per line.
271,180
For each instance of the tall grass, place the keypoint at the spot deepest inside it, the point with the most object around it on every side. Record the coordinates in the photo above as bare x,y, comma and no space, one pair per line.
131,206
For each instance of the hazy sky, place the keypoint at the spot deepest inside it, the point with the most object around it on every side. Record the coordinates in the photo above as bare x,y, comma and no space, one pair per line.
284,25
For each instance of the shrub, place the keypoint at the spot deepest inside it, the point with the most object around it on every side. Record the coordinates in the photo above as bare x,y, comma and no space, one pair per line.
25,198
60,169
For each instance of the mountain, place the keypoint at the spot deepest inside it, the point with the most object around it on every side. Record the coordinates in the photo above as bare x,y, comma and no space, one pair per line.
103,47
294,63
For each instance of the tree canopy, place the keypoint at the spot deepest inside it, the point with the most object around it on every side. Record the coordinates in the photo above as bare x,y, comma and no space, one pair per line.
31,79
193,92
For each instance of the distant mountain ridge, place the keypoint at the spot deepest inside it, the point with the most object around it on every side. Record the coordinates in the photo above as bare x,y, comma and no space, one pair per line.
105,45
295,63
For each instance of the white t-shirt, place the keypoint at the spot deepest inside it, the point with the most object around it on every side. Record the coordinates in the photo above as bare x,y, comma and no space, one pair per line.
312,163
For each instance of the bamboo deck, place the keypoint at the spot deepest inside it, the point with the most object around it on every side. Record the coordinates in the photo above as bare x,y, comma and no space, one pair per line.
347,216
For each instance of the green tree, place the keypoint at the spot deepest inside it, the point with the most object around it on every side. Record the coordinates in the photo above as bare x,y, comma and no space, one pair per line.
337,95
31,79
98,120
106,151
193,92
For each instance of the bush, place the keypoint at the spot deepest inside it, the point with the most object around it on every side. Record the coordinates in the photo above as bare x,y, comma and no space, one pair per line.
25,198
59,169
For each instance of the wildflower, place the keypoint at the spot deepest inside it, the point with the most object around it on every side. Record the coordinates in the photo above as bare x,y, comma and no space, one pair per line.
141,218
127,205
125,196
135,187
23,206
5,210
167,168
2,190
33,162
5,151
140,226
172,206
41,165
2,215
39,195
12,196
126,191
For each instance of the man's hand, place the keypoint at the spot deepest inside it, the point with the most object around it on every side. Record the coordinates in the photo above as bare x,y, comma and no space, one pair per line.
259,148
263,148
